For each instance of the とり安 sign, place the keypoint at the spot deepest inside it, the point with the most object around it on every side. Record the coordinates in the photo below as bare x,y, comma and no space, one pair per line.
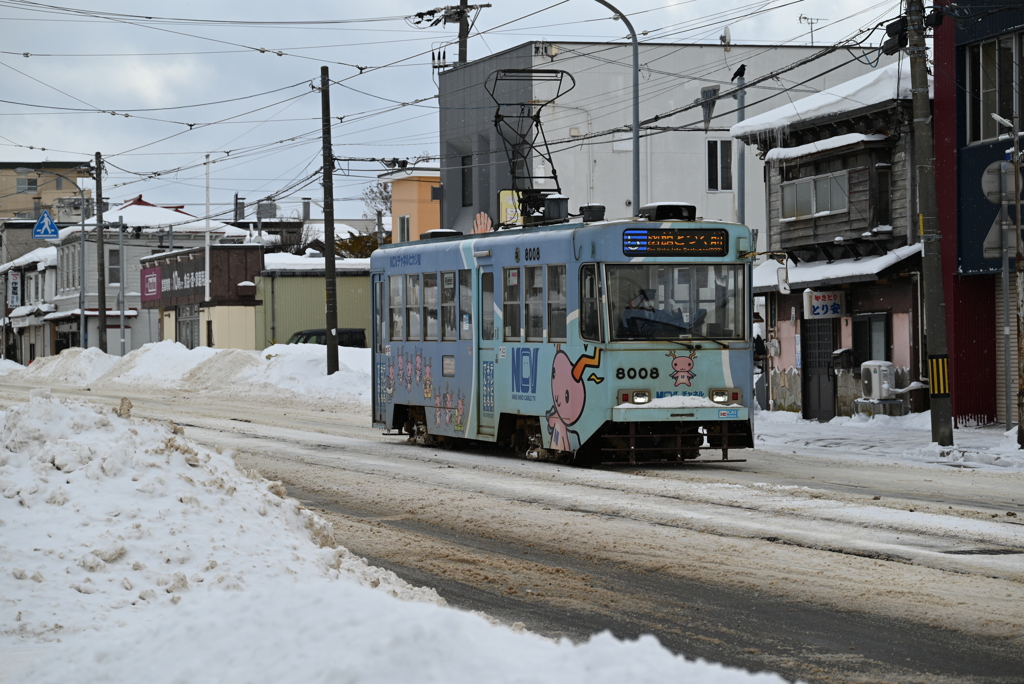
824,304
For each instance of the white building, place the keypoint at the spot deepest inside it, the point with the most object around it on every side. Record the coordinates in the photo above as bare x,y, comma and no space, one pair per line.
691,165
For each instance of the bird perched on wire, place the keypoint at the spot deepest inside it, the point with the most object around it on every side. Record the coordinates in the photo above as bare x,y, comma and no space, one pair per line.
739,72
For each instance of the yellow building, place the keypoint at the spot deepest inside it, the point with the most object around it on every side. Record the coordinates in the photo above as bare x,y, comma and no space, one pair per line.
26,194
413,212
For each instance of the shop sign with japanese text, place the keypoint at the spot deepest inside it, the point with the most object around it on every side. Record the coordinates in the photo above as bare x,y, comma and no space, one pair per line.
824,304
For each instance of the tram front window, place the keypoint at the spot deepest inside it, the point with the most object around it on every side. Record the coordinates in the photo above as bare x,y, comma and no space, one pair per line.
672,301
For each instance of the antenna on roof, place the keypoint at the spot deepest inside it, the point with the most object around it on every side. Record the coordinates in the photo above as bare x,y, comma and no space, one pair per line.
726,39
810,21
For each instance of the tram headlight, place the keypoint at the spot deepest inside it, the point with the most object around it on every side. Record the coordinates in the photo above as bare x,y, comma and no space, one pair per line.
729,395
641,397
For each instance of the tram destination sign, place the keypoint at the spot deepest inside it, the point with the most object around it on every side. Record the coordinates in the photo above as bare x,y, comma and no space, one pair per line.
708,242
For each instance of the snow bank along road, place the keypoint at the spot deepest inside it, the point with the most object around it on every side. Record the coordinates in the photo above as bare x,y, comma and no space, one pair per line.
787,563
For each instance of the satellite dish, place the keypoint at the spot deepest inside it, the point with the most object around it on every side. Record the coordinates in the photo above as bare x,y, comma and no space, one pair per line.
726,38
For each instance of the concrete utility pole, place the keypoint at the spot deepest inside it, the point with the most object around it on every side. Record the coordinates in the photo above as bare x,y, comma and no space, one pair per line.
101,261
934,296
463,30
330,274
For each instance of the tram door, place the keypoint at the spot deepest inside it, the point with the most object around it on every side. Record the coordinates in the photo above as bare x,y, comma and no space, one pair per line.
379,339
487,334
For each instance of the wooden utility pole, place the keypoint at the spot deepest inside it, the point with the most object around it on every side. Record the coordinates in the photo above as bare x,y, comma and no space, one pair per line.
101,260
329,267
934,295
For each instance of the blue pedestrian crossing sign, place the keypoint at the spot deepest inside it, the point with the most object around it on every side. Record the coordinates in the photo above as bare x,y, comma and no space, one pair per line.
45,228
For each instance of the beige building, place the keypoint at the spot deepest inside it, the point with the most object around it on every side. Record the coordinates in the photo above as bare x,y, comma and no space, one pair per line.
50,185
413,211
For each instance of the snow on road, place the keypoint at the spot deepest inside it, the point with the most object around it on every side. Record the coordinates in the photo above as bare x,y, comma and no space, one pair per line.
130,553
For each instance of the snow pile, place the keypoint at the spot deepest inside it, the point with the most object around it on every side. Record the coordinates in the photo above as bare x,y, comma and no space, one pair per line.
156,560
104,516
76,366
890,438
316,634
299,370
834,143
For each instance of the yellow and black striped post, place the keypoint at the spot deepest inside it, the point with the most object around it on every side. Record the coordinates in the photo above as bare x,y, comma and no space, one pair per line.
938,376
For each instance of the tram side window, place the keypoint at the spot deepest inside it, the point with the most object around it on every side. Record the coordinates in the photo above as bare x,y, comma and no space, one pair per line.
412,307
556,303
534,276
466,304
449,322
430,306
590,304
380,324
510,305
487,306
395,306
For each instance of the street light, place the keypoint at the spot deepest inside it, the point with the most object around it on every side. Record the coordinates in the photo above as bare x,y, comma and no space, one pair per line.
636,107
1019,268
81,256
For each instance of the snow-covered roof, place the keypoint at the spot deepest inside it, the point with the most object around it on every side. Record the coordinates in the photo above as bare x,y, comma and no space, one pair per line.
833,143
141,214
887,83
293,262
43,256
823,274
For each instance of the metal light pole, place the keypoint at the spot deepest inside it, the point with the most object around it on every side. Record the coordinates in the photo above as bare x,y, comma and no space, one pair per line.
82,336
636,106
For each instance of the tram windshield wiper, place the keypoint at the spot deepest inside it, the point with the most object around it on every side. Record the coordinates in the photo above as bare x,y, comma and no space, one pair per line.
723,345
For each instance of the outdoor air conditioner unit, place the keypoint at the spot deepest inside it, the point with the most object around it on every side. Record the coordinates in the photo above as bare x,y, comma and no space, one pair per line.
877,378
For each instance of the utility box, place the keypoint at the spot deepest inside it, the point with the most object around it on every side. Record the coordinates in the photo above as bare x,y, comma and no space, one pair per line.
877,379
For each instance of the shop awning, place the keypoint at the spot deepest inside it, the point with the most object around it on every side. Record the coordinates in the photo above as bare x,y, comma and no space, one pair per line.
823,274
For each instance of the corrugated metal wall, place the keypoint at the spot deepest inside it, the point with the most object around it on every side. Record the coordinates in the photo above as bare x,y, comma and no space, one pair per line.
1001,356
972,349
294,303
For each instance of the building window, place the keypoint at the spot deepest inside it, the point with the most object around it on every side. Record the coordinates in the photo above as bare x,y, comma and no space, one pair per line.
814,196
113,266
467,181
403,228
28,185
990,79
719,165
883,206
510,305
870,338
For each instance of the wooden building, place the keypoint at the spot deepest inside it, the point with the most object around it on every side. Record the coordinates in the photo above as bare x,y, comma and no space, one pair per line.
841,192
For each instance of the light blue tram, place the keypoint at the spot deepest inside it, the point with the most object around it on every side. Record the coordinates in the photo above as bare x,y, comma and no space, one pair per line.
599,342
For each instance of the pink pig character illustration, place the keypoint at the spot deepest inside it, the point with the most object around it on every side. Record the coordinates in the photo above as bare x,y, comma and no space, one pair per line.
419,366
682,368
448,407
408,375
460,413
569,394
437,410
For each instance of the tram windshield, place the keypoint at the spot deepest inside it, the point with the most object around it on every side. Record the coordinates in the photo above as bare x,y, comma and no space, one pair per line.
672,301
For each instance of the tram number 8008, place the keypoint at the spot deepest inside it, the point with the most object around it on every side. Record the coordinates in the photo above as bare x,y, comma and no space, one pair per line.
634,373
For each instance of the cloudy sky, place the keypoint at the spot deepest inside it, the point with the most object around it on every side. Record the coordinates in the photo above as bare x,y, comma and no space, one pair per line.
155,86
